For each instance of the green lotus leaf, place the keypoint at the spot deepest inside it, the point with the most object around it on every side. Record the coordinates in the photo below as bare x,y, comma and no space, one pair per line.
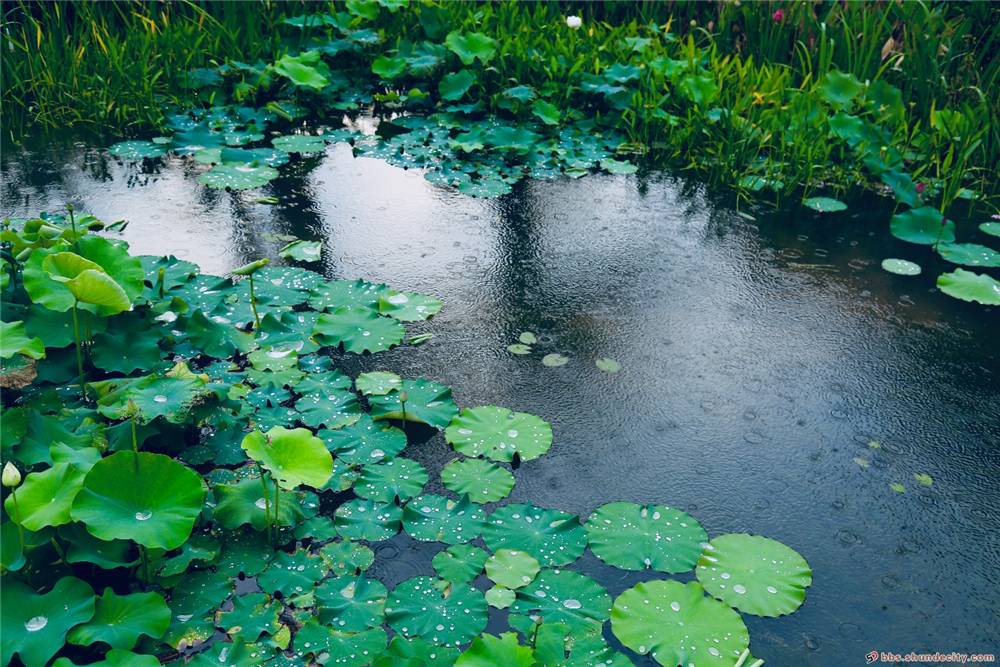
362,519
292,456
901,267
195,138
824,204
303,144
346,557
215,339
149,397
547,112
555,360
343,648
331,409
243,552
415,652
148,498
237,176
564,596
303,251
969,286
34,626
270,157
357,294
923,225
436,611
305,69
755,574
136,150
358,331
459,563
613,166
48,273
201,549
678,625
388,68
482,481
500,597
365,442
377,383
85,548
432,518
470,46
839,88
129,345
498,434
14,340
426,402
251,616
553,537
969,254
511,569
243,502
991,228
399,479
637,537
350,604
292,573
198,593
555,647
519,348
97,288
116,657
456,84
45,497
490,651
56,328
408,306
119,620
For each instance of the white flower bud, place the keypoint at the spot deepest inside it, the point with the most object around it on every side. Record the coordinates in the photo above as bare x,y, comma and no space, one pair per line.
11,476
574,22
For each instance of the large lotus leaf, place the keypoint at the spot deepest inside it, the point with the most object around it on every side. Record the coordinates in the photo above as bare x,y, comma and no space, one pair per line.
346,293
243,502
292,573
490,651
128,346
303,251
150,396
365,441
361,519
305,69
358,331
415,652
498,434
116,657
345,649
512,569
924,225
456,84
303,144
110,257
251,616
292,456
471,45
119,620
97,288
678,625
148,498
331,409
408,306
969,286
56,328
34,626
482,481
426,402
399,479
553,537
824,204
346,557
432,518
214,339
388,68
636,537
351,604
45,497
14,340
755,574
564,596
459,563
969,254
238,176
438,611
839,88
555,647
136,150
991,228
377,383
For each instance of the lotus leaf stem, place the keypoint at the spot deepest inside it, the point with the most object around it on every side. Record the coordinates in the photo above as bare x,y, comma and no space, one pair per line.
79,353
267,504
277,499
253,304
17,519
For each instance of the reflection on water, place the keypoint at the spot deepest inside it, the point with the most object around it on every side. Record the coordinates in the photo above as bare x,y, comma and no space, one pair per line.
760,360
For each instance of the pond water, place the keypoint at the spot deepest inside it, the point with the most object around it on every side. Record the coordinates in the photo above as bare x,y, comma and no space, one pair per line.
759,360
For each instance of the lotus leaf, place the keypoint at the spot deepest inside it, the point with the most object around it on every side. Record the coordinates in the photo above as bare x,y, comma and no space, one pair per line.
331,409
388,68
555,647
551,536
499,434
292,456
303,251
251,616
923,225
824,204
564,596
991,228
490,651
136,150
119,620
426,402
415,652
456,84
292,573
116,657
34,626
437,611
202,549
215,339
482,481
377,383
432,518
149,397
555,360
470,46
346,557
303,144
636,537
408,306
361,519
358,331
511,569
237,176
94,253
346,293
459,563
969,254
365,442
901,267
306,69
45,497
351,604
14,340
85,548
398,479
342,648
969,286
839,88
243,502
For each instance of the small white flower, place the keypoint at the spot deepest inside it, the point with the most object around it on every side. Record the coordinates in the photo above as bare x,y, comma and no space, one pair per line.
574,22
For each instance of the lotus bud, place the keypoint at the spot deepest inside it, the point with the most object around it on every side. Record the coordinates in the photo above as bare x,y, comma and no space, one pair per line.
11,476
574,22
251,268
403,397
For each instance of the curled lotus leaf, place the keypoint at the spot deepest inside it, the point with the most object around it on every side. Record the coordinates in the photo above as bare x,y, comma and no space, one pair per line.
637,537
499,434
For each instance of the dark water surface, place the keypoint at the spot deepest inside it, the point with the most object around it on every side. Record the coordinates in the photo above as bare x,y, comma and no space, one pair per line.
759,360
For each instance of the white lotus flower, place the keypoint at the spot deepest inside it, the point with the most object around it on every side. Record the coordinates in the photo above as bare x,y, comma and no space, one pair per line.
574,22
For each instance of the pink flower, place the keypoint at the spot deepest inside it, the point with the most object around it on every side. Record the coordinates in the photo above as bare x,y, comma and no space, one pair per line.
920,188
778,15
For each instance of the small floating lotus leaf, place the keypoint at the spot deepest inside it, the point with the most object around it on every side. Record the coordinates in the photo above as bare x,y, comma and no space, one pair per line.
377,383
292,456
969,254
637,537
755,574
303,251
824,204
331,409
148,498
969,286
365,442
498,433
350,604
991,228
901,267
292,573
252,615
346,293
299,143
678,625
482,481
136,150
237,176
500,597
455,84
358,331
415,652
553,537
554,360
349,649
924,225
436,611
119,620
613,166
608,365
528,338
408,306
34,626
490,651
518,348
45,497
361,519
432,518
426,402
564,596
511,569
459,563
399,478
346,557
14,340
897,487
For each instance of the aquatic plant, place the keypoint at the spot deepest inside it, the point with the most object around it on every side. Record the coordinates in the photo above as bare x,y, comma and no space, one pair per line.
234,447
